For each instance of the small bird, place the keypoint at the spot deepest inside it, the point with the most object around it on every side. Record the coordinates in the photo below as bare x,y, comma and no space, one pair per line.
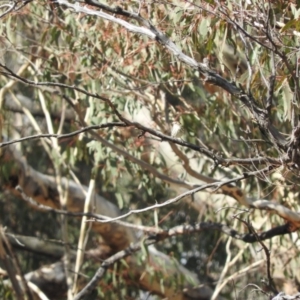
177,130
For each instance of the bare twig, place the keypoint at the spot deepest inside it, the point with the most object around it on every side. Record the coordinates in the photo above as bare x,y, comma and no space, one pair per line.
271,284
178,230
10,261
83,233
218,159
247,99
63,136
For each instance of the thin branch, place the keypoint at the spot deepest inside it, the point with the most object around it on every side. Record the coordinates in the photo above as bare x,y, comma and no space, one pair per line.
210,76
12,266
218,160
178,230
203,226
83,236
66,135
272,78
10,6
271,283
229,190
215,185
225,269
62,192
154,238
108,263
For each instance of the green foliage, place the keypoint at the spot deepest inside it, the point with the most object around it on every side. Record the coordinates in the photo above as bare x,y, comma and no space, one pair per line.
149,84
5,292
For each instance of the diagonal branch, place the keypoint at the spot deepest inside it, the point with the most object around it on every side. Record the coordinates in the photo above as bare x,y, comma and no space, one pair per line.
218,159
261,115
179,230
